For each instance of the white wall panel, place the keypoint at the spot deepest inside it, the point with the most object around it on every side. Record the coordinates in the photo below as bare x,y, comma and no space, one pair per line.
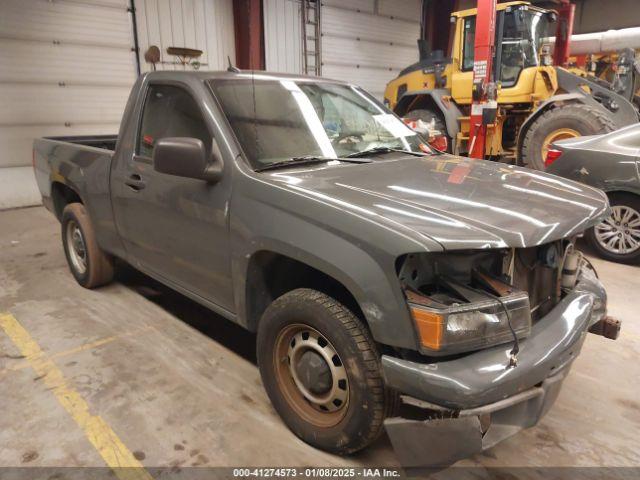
66,69
205,25
362,5
349,51
369,47
33,104
32,61
17,139
345,23
283,36
18,187
373,80
108,3
407,9
65,22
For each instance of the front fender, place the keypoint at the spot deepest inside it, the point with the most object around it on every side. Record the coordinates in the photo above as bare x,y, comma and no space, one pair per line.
367,272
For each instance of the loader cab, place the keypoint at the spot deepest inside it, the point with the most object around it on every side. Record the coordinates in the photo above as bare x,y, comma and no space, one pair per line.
522,31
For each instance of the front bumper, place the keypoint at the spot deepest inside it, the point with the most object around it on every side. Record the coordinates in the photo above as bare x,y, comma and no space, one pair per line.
480,400
438,443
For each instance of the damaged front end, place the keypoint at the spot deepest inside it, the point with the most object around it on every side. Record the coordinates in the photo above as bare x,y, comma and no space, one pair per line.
497,333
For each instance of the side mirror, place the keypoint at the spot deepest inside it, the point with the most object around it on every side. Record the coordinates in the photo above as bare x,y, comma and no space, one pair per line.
186,157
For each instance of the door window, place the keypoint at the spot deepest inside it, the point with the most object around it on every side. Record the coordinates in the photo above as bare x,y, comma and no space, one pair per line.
524,33
170,111
468,42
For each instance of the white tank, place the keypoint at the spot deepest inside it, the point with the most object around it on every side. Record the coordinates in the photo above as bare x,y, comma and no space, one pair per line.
600,42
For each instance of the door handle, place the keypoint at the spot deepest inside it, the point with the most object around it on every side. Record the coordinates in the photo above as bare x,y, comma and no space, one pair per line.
135,182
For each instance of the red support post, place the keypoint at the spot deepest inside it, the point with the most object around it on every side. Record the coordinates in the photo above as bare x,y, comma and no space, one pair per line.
564,30
247,18
484,51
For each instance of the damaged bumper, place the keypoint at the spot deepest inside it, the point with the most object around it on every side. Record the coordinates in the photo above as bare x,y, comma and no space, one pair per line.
478,400
441,442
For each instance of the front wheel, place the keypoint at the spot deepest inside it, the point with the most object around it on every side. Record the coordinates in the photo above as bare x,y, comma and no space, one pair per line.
321,370
617,238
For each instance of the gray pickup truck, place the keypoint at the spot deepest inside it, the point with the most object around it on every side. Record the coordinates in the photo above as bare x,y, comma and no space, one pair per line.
389,284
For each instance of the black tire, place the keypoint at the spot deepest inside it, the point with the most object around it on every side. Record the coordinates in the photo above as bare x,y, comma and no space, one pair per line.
580,118
98,265
359,421
427,116
629,202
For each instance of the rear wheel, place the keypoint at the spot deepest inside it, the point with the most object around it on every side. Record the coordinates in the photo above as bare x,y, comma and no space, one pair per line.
617,238
321,370
560,123
89,264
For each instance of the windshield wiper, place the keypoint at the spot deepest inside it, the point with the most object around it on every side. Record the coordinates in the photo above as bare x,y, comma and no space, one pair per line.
376,150
306,160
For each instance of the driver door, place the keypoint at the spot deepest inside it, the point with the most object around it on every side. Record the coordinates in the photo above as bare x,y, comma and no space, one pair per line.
173,227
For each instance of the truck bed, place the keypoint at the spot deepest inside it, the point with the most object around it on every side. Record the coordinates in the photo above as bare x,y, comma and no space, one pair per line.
106,142
76,168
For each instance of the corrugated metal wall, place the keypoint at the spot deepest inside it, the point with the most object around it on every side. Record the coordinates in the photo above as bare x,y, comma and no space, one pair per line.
282,36
205,25
67,66
368,42
66,69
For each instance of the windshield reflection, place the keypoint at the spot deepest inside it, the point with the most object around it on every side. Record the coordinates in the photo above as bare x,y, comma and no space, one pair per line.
279,119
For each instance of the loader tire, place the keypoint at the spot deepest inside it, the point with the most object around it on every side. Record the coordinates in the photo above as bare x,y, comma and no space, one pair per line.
570,121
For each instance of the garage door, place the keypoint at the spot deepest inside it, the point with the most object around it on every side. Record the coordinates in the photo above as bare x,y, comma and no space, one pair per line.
283,36
368,42
67,67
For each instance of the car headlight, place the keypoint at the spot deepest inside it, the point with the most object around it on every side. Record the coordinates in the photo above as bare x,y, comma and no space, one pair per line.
465,300
471,326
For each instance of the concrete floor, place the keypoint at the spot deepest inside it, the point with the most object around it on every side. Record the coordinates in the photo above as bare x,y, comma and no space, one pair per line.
179,385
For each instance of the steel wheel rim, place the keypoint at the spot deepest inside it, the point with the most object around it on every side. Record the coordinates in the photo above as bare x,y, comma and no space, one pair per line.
620,232
76,247
324,409
556,135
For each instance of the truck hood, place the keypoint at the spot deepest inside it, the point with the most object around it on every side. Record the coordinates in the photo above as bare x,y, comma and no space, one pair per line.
458,202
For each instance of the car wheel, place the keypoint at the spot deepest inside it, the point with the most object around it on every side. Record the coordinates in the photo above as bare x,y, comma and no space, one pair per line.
617,238
89,264
321,370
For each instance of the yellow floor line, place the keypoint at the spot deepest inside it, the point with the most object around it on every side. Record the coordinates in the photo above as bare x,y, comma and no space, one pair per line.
98,432
22,364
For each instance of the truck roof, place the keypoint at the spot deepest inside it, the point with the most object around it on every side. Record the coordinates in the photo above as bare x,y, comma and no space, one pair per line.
227,75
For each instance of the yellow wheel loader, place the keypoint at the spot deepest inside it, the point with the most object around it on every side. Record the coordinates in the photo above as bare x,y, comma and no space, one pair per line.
619,70
537,103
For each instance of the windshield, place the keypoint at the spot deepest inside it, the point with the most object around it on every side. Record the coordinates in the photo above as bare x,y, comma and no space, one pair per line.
524,33
278,119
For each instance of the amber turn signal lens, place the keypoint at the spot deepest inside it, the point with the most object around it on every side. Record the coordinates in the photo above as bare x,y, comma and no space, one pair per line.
430,326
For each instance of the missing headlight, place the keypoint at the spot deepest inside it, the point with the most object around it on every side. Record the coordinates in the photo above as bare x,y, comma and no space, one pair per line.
462,304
